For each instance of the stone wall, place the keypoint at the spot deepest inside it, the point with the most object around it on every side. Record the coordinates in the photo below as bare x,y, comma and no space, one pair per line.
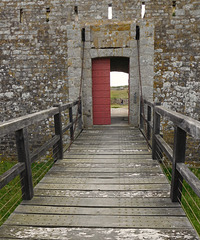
177,54
38,54
33,63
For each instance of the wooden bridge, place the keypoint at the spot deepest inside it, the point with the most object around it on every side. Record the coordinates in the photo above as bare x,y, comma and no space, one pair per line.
106,187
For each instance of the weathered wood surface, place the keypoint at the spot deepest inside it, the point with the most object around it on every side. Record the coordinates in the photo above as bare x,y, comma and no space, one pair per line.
188,124
102,191
25,121
23,152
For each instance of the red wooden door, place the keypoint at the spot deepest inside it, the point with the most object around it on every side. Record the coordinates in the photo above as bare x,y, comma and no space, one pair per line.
101,91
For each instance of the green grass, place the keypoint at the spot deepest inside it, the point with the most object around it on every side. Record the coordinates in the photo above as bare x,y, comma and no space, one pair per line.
117,94
10,195
189,205
190,201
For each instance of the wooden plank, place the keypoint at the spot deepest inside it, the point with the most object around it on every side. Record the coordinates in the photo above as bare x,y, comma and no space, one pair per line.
110,147
99,181
105,161
96,193
109,140
123,135
107,152
108,165
120,135
60,174
155,168
103,202
46,233
113,130
158,222
100,211
27,232
110,144
86,187
11,174
140,157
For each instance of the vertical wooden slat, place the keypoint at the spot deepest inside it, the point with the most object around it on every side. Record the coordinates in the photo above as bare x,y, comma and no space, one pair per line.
71,120
58,131
148,122
141,118
156,130
24,156
178,157
80,114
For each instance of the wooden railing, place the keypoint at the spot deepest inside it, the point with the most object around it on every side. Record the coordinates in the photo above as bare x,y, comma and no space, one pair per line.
183,125
20,125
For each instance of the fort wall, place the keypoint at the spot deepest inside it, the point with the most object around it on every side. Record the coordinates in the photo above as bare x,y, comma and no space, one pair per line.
41,49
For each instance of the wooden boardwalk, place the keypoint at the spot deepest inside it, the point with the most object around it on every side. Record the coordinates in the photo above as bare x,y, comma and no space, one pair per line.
106,187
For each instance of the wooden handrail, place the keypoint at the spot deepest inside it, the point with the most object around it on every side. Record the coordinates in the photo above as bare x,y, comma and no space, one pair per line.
19,127
25,121
183,125
188,124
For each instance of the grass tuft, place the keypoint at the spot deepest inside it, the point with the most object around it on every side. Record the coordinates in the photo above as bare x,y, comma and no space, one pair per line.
10,195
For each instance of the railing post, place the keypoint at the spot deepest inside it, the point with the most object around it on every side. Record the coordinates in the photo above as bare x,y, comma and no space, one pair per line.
80,113
58,131
71,121
156,130
24,156
178,157
141,118
148,122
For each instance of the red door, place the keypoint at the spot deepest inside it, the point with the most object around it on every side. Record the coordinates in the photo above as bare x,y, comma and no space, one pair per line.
101,91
